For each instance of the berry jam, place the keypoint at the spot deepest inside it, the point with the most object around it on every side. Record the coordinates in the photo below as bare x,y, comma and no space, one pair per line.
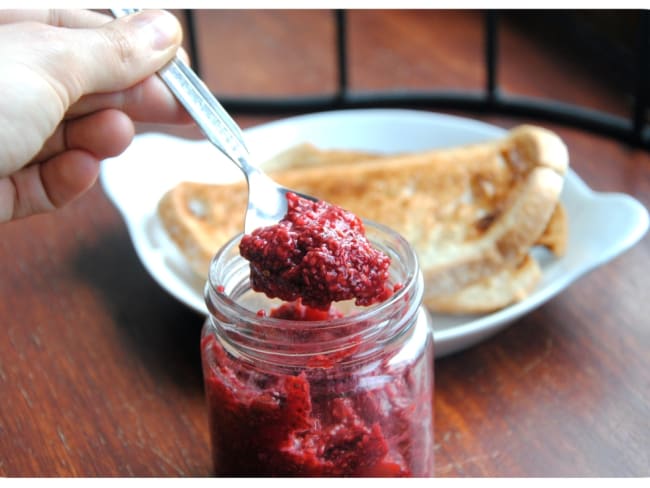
320,421
318,252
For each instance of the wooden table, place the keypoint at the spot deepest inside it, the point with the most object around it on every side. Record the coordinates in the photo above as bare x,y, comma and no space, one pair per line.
99,367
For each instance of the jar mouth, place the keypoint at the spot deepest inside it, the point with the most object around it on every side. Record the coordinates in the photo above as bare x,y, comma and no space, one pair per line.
229,281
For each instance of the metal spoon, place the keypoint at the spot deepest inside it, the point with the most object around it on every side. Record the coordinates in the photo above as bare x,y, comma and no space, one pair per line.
267,202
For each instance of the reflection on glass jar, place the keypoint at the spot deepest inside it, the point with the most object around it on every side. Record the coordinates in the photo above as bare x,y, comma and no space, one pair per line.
339,394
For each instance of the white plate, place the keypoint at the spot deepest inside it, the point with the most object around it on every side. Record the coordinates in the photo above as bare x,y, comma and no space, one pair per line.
136,180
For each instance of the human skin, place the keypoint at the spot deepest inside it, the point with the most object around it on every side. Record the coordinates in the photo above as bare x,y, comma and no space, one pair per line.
73,83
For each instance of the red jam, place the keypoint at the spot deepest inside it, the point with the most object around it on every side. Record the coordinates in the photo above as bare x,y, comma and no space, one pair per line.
298,311
319,422
318,252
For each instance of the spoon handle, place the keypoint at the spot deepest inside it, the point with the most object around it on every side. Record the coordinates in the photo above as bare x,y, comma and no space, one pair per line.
217,125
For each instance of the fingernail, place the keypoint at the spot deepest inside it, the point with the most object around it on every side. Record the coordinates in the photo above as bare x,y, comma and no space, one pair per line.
161,27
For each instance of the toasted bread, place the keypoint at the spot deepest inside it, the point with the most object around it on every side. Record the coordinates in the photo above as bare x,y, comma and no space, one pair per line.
200,218
556,233
471,212
307,155
494,292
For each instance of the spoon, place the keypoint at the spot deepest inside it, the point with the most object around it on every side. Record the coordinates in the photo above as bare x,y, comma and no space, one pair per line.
267,203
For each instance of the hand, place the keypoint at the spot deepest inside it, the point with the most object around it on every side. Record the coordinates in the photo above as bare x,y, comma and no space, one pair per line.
72,84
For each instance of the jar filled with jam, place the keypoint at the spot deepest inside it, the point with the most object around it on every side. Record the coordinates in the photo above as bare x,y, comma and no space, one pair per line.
299,391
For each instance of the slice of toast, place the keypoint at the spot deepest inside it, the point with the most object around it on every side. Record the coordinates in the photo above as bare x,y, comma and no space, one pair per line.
494,292
471,212
307,155
200,218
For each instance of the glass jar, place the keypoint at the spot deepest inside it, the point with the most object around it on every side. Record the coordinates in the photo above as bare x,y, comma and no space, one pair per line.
339,396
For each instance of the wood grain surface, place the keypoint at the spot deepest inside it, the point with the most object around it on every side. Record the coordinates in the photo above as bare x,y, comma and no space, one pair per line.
100,369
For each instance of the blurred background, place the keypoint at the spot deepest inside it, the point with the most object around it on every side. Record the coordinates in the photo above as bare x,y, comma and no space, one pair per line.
591,64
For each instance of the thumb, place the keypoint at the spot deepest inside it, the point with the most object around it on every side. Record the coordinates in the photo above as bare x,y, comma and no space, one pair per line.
121,53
